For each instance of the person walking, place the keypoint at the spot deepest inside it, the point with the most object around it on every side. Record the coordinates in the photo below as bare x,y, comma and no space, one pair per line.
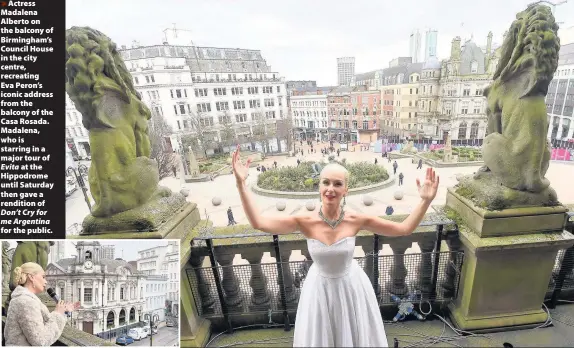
298,162
376,161
401,177
230,218
420,164
275,164
395,166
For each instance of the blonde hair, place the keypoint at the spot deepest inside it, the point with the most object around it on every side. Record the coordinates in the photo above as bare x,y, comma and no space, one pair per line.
338,168
22,273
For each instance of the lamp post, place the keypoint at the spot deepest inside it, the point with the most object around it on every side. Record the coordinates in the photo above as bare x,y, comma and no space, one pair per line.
79,172
103,310
153,318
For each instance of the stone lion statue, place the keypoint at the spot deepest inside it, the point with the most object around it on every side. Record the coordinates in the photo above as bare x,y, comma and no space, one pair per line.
515,151
30,252
121,176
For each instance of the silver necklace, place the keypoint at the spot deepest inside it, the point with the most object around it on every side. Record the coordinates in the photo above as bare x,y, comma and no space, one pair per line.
332,223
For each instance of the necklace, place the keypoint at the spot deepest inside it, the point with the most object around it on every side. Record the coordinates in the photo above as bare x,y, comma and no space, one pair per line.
332,223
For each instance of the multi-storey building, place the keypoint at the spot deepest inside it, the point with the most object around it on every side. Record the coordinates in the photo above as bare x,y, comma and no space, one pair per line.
108,252
156,287
345,70
415,46
110,292
404,113
430,44
560,100
208,91
309,112
371,79
160,260
302,85
427,120
365,115
463,78
76,134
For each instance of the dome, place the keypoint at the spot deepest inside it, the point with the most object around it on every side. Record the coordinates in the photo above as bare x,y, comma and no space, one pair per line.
431,63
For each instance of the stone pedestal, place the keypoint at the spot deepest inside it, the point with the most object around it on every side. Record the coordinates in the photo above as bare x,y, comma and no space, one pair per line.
195,330
508,260
175,225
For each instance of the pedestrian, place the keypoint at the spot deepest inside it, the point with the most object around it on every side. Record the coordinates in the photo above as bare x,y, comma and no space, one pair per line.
338,152
275,164
259,167
298,162
174,171
389,211
230,218
376,161
401,176
420,163
395,166
263,169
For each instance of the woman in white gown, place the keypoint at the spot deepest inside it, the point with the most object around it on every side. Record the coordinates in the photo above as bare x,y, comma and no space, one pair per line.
337,306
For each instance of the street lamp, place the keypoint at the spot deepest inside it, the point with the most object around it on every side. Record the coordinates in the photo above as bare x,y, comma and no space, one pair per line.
79,172
103,309
153,318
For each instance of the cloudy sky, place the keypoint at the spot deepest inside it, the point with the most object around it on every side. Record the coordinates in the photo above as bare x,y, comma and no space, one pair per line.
125,249
301,39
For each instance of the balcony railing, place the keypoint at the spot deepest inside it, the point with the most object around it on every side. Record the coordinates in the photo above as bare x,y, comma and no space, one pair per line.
255,292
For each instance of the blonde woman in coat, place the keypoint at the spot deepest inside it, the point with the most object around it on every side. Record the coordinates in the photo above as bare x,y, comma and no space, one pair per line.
29,323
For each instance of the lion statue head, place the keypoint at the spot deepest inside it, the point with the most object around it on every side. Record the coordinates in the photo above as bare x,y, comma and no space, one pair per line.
530,47
93,66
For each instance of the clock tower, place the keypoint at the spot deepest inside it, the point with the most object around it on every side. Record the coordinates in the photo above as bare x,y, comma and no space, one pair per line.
89,257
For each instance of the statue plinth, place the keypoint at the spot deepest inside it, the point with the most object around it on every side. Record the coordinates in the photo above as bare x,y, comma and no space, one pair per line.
169,217
509,258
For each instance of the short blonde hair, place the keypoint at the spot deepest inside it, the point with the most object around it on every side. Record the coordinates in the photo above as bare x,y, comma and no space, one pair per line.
22,273
338,168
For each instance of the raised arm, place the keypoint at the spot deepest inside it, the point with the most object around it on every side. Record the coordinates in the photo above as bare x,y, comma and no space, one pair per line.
273,225
384,227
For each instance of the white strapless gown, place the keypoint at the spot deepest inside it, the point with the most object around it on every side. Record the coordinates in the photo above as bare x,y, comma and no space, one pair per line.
337,306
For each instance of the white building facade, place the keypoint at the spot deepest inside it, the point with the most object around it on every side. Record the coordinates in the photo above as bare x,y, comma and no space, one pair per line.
110,292
156,287
76,134
560,100
162,261
309,113
210,90
345,70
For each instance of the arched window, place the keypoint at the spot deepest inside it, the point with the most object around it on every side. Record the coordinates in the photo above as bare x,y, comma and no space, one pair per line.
474,130
462,131
88,255
132,315
474,67
110,320
122,317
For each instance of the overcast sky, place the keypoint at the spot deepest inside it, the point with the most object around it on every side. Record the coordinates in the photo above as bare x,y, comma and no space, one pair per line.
301,39
125,249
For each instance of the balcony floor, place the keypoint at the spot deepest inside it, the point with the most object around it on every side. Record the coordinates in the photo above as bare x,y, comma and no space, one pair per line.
408,333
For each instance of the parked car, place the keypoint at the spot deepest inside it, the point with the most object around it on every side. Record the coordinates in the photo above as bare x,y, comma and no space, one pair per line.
137,333
169,323
146,330
124,340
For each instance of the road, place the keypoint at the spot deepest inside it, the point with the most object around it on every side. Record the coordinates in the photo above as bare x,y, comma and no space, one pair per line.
165,337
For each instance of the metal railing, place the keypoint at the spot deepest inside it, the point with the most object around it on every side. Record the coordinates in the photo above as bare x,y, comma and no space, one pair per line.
262,291
561,286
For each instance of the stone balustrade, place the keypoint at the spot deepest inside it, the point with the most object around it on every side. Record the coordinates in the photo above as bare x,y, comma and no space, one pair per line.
252,287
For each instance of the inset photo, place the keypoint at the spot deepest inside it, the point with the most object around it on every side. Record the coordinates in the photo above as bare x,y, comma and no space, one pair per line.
90,293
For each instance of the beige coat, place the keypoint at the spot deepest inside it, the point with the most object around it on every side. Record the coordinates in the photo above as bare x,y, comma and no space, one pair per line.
29,323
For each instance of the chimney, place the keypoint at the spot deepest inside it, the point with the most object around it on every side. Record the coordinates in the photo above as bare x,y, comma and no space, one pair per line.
455,48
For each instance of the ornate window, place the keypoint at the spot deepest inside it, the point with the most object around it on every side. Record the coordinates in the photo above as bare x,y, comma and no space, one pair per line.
462,130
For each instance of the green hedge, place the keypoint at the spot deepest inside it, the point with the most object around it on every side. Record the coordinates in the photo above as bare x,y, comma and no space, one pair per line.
299,179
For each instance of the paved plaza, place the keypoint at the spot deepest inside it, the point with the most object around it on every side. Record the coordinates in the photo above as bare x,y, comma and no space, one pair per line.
560,174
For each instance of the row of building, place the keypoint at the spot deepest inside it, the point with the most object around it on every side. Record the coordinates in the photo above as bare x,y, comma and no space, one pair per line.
411,100
112,292
209,90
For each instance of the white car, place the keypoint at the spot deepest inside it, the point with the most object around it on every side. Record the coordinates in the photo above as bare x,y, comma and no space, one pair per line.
137,333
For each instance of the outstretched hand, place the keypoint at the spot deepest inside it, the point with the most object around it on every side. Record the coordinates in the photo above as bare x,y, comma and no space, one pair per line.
240,170
430,186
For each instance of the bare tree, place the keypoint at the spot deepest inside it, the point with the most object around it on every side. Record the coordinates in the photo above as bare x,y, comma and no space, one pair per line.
227,130
202,133
285,132
262,130
159,131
